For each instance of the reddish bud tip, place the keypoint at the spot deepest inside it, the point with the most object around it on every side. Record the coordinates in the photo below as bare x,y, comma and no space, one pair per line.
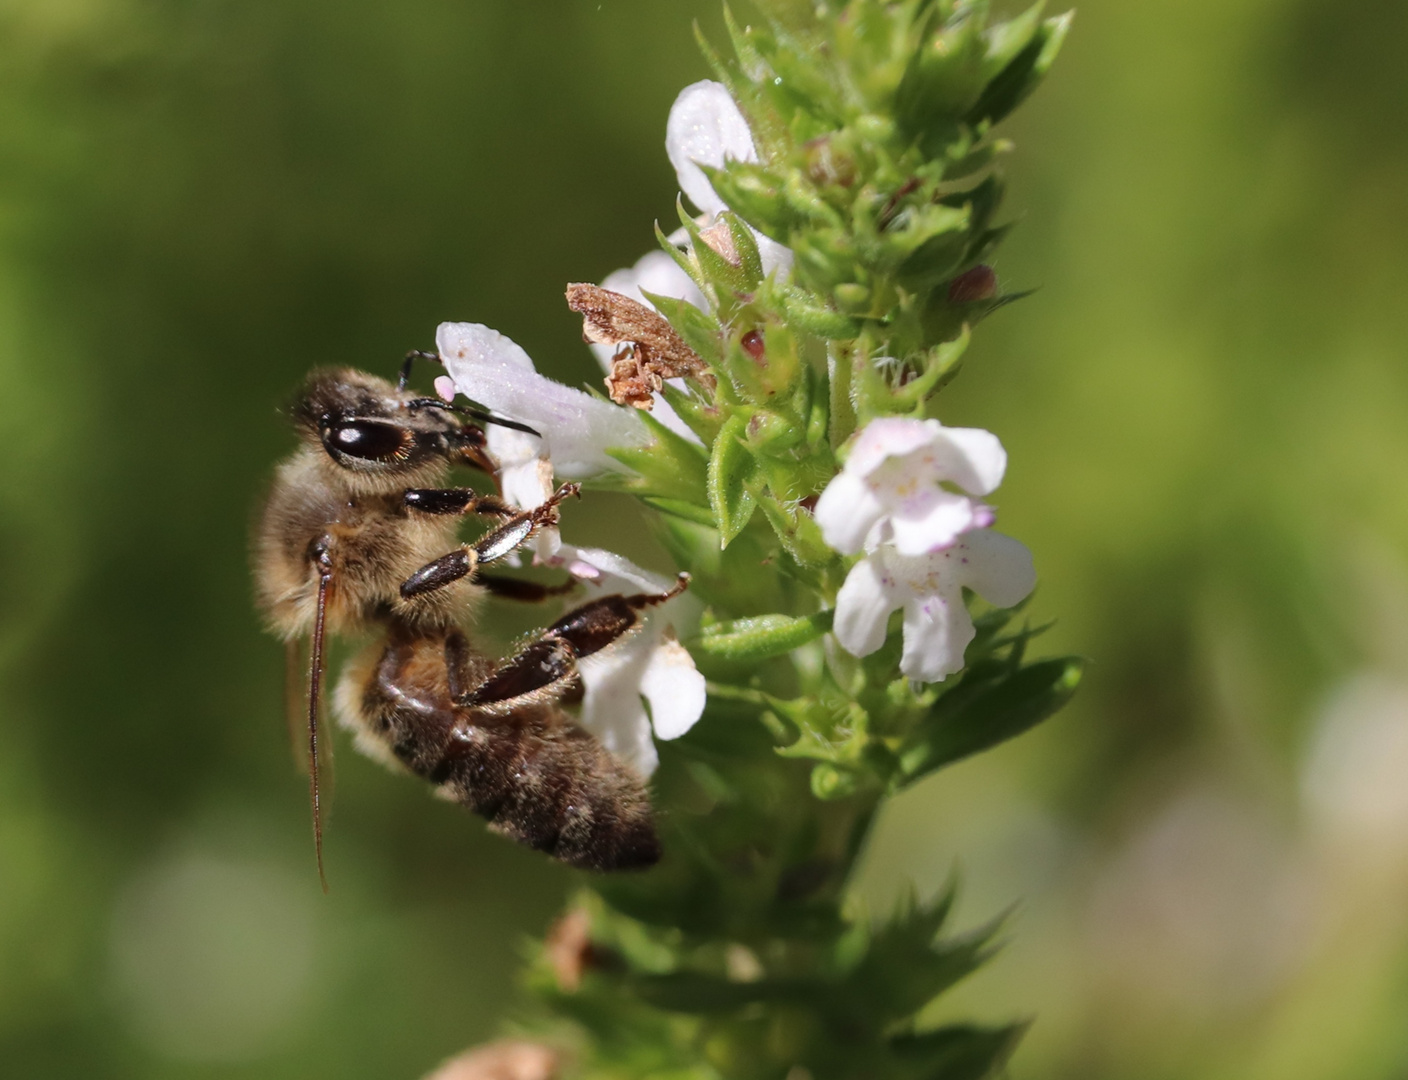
752,343
979,283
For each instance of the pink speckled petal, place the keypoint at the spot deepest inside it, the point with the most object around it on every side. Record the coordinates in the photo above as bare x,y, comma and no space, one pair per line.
936,631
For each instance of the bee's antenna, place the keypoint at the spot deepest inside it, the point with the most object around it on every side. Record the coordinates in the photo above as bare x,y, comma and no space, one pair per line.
473,414
411,358
315,685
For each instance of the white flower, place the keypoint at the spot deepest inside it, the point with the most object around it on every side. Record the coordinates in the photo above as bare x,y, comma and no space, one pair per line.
577,429
929,587
891,487
648,664
706,128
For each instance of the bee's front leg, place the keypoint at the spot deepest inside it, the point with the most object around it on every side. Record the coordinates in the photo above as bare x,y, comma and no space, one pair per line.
457,501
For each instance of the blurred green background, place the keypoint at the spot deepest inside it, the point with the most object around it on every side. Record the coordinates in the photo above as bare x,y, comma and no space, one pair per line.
1206,404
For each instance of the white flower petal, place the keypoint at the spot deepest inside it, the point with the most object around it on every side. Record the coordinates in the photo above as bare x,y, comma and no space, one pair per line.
490,368
936,631
523,485
705,127
932,521
887,437
655,272
846,512
863,607
627,575
995,566
612,708
776,258
970,457
675,689
510,448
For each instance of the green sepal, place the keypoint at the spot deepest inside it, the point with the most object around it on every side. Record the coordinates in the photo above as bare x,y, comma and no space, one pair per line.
746,245
989,706
757,195
797,530
1025,71
723,279
761,637
671,467
837,737
808,313
875,393
731,467
680,256
944,78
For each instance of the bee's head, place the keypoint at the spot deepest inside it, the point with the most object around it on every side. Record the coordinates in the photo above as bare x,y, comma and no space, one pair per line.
368,426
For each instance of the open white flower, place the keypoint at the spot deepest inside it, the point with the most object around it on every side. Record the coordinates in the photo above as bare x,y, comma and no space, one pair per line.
706,128
648,665
929,587
577,429
891,489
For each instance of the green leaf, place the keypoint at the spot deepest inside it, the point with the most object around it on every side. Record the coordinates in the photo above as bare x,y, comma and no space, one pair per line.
761,637
671,467
699,515
970,719
731,467
904,967
960,1051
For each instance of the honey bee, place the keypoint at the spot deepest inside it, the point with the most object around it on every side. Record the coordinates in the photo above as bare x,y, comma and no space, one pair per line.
359,535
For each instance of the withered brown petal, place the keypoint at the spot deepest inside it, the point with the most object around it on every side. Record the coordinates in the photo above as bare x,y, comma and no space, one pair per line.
655,351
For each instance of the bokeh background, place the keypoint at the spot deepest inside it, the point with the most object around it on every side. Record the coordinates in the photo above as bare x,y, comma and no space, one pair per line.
1206,404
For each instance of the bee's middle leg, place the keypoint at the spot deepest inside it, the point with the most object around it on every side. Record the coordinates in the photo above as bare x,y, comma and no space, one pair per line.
493,545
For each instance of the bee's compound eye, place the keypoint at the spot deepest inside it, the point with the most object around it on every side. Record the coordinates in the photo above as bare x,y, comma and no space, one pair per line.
374,440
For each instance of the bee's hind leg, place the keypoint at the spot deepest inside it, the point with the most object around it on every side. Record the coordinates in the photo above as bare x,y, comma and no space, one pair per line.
546,669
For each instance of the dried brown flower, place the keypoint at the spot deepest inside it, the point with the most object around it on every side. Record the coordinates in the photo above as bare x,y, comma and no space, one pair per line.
650,351
508,1059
